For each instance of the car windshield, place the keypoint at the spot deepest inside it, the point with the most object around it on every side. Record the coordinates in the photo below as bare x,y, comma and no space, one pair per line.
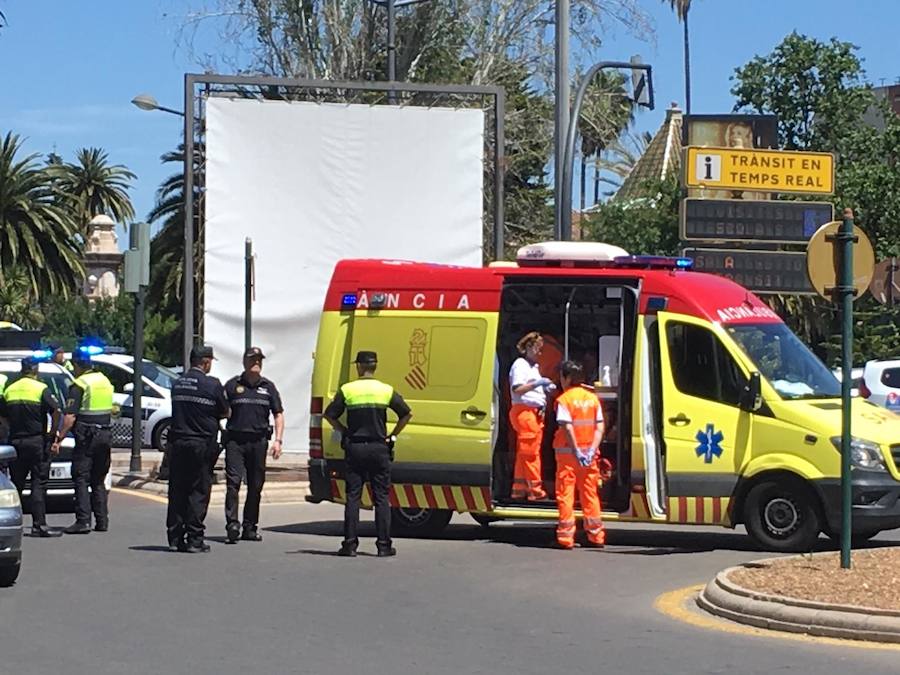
159,375
788,364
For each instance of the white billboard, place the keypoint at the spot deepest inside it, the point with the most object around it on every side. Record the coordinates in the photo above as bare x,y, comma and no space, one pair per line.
310,184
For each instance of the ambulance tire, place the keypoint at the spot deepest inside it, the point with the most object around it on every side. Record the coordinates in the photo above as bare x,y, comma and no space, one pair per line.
782,516
416,522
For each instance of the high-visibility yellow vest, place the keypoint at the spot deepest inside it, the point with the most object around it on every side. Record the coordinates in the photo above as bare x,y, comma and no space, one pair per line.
3,380
367,393
98,393
24,390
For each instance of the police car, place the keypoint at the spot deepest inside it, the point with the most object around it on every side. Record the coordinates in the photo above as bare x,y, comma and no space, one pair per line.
156,405
881,384
60,489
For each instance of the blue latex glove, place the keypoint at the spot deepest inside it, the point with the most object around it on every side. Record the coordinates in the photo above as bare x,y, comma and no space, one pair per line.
585,457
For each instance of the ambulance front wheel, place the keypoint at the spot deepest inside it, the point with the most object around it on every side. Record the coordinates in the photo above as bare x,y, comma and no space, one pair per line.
416,522
781,516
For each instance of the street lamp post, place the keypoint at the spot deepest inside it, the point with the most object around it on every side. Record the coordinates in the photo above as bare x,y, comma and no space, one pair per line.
391,7
148,102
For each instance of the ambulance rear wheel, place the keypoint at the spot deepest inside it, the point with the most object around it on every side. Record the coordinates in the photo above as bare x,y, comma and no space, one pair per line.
781,516
416,522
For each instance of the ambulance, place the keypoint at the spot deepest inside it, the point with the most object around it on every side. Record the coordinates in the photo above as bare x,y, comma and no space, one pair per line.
717,414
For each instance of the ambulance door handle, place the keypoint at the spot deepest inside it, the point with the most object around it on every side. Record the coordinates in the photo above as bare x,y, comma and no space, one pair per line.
474,412
680,420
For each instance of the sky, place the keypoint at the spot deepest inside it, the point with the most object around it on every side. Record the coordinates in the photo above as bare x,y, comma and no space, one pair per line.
70,69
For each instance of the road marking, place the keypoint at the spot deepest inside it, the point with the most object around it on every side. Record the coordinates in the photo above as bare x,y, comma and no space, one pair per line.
143,495
679,605
164,500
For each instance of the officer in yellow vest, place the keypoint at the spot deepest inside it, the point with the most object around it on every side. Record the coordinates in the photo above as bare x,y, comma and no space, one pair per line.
26,404
88,409
368,447
59,358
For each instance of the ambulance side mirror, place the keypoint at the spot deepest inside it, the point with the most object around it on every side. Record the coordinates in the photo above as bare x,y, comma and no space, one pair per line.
751,396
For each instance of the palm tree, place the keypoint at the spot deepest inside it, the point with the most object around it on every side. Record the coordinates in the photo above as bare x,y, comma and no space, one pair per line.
167,247
616,162
17,299
37,236
91,186
606,112
681,9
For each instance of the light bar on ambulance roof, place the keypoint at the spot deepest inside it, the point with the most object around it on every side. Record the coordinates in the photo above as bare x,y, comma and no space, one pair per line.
569,254
654,262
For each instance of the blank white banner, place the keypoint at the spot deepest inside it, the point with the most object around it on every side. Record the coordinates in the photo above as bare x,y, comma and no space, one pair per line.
311,184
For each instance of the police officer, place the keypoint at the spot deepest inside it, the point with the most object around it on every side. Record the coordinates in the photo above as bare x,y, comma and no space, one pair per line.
59,358
368,447
198,403
251,398
26,404
88,410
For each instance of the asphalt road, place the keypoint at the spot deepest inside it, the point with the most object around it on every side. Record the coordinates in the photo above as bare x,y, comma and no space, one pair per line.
476,601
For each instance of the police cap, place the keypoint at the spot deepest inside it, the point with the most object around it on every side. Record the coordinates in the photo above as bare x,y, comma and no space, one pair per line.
29,363
366,358
254,353
202,352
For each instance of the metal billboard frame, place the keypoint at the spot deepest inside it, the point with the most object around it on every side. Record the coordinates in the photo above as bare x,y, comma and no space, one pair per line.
291,89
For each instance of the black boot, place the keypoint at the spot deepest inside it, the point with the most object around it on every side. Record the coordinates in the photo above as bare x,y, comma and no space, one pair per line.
387,552
197,547
250,534
44,532
347,551
232,535
78,528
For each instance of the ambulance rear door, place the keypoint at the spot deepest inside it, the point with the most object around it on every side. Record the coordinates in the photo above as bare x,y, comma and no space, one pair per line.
442,363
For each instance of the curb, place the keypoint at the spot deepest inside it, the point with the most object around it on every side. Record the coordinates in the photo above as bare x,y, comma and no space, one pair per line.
724,598
276,492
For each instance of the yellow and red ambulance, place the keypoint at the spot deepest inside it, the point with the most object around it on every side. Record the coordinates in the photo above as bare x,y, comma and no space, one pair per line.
717,414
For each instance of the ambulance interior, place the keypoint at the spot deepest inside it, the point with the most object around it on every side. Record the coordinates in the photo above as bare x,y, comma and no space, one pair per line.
593,322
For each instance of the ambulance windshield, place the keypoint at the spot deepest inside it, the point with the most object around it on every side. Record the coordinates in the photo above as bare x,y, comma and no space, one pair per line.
788,364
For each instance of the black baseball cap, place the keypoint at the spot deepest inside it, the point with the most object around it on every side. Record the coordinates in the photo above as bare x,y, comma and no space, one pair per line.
254,352
366,358
202,352
29,362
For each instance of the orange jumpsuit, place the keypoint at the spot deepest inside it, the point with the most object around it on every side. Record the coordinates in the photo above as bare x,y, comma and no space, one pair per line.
580,408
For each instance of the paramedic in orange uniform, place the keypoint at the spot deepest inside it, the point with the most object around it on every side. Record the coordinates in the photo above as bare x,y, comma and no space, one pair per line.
529,398
576,443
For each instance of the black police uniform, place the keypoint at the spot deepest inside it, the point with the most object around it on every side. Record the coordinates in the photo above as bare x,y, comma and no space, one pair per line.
90,399
26,404
246,445
198,403
368,456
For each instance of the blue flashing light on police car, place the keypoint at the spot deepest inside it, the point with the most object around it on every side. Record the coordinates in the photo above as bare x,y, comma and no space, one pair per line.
42,354
91,349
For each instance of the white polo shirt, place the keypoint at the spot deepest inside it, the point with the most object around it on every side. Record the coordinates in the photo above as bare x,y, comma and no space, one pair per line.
523,372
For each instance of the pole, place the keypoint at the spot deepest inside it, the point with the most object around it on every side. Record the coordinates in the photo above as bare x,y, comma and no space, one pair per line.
391,46
188,266
248,293
687,64
137,435
499,174
847,291
562,227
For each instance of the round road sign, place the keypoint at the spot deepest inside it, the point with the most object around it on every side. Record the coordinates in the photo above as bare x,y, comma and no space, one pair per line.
823,260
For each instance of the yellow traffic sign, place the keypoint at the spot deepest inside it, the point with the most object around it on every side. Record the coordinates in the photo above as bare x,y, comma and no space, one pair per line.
760,170
823,262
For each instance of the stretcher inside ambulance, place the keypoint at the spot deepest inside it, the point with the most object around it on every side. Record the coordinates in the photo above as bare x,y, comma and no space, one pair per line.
715,412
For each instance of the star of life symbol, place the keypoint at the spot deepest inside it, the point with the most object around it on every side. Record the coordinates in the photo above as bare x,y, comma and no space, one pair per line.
709,443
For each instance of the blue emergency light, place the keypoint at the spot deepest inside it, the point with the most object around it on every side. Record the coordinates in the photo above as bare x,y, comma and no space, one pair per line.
42,354
348,300
91,350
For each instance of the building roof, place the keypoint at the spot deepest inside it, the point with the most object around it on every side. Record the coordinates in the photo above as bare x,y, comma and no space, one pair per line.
661,159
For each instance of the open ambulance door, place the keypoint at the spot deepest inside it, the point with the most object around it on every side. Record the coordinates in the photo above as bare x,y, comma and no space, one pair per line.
706,432
442,363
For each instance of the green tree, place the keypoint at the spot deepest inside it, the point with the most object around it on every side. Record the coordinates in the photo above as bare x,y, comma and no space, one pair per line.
17,300
91,186
817,89
36,234
648,226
